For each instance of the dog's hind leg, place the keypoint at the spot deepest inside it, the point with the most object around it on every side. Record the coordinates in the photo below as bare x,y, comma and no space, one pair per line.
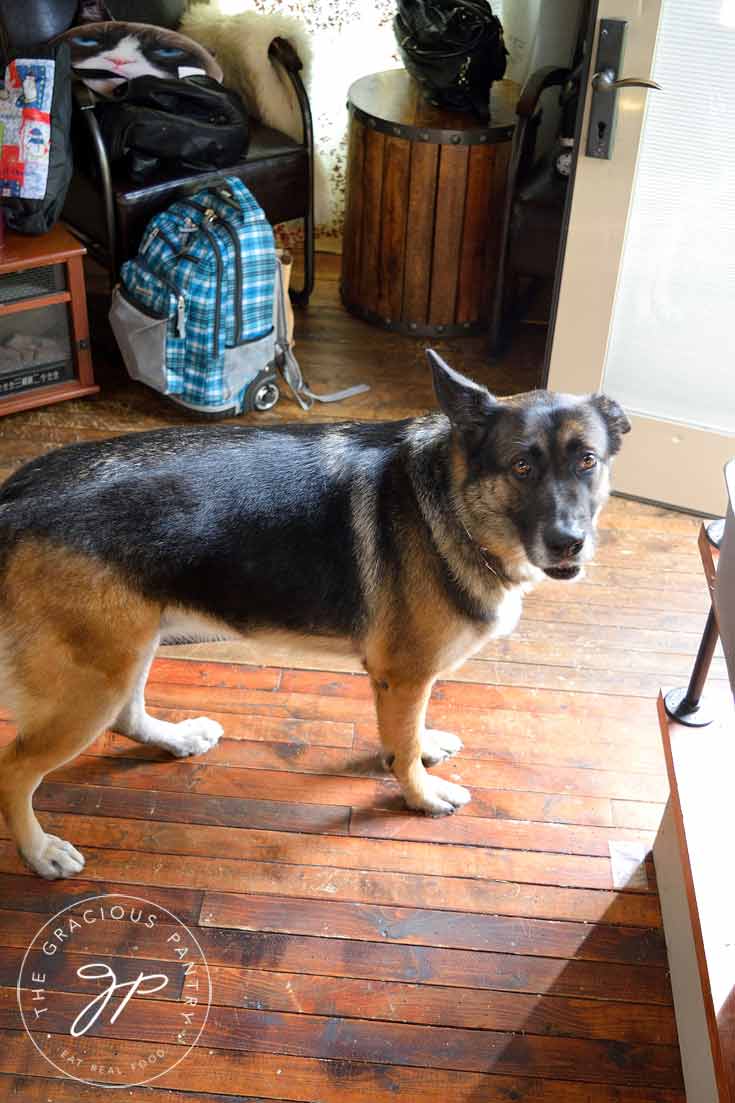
59,730
192,736
401,708
73,634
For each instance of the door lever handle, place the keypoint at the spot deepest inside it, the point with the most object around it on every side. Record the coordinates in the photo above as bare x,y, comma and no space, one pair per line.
605,81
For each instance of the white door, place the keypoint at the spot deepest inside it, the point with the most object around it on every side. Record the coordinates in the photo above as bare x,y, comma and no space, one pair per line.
646,307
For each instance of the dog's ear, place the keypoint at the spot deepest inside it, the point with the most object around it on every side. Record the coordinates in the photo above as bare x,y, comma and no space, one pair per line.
615,418
467,405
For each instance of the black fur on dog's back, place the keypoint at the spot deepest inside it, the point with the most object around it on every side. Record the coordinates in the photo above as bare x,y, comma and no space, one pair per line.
321,528
253,526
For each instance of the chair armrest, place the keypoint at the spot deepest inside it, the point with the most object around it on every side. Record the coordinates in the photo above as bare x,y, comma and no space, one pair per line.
536,84
84,97
282,51
85,100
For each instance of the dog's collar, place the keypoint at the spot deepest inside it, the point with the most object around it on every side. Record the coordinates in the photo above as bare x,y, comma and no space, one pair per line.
486,556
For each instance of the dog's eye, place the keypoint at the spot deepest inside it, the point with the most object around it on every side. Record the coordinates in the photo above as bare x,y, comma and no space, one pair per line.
588,461
521,469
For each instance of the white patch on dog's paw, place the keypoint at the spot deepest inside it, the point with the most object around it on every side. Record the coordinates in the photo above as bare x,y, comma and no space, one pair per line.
439,797
55,858
437,745
195,736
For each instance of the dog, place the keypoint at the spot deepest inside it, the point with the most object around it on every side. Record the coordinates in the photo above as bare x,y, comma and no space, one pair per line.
409,542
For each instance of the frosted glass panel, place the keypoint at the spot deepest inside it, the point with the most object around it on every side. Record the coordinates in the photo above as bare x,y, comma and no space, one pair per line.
671,352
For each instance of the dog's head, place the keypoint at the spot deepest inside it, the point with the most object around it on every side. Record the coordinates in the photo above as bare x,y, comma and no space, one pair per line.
534,470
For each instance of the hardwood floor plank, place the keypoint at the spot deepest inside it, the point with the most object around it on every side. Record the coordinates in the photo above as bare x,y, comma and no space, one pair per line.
495,803
663,664
421,926
552,838
315,883
339,1081
207,675
314,954
111,802
428,1004
582,639
403,1044
514,741
537,608
261,850
558,838
22,892
468,694
38,1089
338,789
438,1005
637,814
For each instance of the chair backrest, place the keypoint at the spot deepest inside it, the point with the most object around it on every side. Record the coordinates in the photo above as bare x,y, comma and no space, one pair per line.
26,24
162,13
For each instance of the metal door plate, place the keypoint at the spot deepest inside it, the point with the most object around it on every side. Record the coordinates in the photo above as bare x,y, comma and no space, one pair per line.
603,104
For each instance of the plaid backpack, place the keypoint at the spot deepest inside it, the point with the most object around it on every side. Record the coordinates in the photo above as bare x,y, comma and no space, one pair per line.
200,313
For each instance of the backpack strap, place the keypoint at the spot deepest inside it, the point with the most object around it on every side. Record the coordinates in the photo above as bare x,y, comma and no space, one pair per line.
287,363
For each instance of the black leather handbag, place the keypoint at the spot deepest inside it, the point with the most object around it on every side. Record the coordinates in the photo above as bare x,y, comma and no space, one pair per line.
454,49
189,122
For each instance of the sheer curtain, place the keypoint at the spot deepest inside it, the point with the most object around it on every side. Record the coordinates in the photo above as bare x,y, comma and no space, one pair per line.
351,38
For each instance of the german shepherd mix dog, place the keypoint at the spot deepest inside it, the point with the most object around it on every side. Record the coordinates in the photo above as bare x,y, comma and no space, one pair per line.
412,542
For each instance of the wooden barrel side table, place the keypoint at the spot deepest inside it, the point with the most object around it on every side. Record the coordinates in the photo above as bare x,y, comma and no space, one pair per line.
424,203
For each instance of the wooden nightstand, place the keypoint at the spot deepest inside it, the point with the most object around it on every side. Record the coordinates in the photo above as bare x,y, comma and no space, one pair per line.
44,332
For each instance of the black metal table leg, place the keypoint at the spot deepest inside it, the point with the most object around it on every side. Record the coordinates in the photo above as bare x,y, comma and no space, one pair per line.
687,705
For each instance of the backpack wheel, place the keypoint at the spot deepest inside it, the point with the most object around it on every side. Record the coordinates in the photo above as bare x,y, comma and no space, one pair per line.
266,396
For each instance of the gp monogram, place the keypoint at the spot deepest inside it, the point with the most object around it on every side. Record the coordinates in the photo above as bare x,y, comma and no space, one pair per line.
102,975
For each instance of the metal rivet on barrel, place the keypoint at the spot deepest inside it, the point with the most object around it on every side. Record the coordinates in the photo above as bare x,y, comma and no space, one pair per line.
456,139
424,135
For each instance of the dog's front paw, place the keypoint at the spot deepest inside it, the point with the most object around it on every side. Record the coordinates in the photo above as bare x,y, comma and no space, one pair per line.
439,797
194,736
437,745
55,858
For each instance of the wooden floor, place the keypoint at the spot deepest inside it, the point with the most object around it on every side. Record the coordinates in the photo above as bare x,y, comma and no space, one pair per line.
360,954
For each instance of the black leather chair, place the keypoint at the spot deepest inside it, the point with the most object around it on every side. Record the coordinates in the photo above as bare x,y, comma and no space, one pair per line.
106,208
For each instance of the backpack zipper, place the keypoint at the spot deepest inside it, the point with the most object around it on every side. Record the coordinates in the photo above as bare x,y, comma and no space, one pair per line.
178,254
180,300
218,264
235,239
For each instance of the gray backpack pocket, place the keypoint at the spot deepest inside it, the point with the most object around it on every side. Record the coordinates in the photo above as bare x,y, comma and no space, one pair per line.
141,337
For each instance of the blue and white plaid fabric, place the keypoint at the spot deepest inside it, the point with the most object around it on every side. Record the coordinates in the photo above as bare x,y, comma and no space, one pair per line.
208,265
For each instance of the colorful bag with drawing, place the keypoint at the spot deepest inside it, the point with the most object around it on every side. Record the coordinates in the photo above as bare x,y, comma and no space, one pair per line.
35,144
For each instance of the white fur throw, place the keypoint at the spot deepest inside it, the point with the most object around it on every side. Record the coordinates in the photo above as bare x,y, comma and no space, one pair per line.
240,44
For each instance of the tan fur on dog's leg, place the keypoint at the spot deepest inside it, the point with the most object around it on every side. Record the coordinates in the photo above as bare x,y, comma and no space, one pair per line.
73,636
66,732
401,709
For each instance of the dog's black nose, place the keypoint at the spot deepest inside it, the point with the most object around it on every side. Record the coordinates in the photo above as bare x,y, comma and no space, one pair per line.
564,543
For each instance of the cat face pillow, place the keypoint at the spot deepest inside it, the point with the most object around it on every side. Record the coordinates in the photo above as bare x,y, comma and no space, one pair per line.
122,51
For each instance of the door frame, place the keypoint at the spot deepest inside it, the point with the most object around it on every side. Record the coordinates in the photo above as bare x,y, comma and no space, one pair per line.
586,283
590,39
